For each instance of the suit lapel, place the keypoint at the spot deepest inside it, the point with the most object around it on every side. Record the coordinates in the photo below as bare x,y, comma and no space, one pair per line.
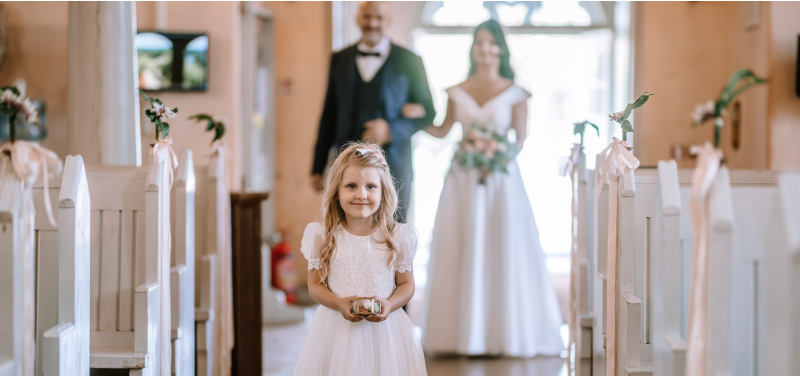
348,83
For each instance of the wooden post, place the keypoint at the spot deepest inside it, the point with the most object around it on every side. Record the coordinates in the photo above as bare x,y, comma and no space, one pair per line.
246,221
103,108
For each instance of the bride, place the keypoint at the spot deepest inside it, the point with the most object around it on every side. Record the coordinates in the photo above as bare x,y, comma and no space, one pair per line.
489,292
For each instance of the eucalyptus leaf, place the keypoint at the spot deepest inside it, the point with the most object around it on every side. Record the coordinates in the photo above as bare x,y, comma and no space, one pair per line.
627,126
219,132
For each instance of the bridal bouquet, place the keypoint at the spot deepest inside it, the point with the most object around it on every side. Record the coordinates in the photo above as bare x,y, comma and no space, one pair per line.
486,150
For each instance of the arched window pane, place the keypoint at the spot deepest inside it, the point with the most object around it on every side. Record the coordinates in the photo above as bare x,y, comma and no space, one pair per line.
514,13
457,13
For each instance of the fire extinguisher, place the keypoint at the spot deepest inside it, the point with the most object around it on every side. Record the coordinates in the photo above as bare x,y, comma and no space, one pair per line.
284,273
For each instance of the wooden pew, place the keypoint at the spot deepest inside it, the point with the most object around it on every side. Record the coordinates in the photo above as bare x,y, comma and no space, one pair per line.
582,271
213,280
668,338
182,269
128,226
598,233
781,272
62,288
11,254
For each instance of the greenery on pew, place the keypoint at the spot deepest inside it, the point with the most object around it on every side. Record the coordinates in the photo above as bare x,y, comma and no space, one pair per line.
217,126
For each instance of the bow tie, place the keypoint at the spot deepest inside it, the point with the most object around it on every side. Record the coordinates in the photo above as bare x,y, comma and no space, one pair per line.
367,54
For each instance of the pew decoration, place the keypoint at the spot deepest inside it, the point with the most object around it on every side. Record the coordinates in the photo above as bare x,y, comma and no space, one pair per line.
740,81
29,162
575,153
619,161
580,128
13,104
217,126
158,114
622,117
708,165
162,152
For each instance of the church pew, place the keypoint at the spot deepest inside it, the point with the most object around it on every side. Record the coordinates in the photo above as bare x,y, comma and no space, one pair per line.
62,273
581,314
781,324
752,269
11,266
213,280
669,343
128,226
664,249
182,269
598,237
637,259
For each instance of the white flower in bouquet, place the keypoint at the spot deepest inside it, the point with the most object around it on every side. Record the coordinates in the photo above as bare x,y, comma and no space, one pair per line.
703,111
617,116
15,103
162,112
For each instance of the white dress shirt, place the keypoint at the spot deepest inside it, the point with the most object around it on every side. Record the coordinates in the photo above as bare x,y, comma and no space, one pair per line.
368,66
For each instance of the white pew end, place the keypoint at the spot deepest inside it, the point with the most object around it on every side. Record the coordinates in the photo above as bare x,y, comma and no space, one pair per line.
11,265
182,269
669,345
63,258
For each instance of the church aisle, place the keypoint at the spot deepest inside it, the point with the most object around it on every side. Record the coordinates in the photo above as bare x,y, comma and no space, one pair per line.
282,345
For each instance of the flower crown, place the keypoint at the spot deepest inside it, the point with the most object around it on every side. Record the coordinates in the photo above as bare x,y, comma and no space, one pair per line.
374,152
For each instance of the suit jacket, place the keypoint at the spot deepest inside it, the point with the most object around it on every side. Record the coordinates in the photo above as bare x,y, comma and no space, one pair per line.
403,81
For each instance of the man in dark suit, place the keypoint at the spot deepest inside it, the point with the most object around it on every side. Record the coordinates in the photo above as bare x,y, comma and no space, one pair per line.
368,85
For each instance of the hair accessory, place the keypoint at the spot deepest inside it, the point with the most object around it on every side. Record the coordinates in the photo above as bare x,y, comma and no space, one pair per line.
373,151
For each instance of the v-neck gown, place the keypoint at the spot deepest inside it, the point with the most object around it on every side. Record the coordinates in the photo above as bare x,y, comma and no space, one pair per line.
488,287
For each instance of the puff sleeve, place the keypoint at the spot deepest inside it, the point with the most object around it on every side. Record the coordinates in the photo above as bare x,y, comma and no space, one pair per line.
407,241
311,244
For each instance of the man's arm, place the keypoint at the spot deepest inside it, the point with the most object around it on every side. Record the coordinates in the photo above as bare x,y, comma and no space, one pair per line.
327,125
419,92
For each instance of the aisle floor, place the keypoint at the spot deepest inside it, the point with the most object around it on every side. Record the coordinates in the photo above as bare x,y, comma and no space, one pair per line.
282,345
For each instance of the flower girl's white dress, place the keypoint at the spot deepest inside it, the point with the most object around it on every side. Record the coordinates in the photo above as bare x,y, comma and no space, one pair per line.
487,267
337,347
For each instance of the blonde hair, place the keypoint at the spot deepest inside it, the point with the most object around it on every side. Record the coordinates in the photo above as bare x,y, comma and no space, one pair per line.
360,155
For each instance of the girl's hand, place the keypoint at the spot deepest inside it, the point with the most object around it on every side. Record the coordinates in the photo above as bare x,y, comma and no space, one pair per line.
386,309
344,309
413,111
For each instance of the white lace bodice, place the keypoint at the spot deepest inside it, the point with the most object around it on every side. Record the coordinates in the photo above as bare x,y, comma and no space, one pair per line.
358,267
496,111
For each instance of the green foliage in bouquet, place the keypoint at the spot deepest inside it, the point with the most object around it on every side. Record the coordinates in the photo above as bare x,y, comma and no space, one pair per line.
622,116
580,127
740,81
158,113
485,149
217,126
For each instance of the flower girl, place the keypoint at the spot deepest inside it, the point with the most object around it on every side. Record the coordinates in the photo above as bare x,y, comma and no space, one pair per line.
360,251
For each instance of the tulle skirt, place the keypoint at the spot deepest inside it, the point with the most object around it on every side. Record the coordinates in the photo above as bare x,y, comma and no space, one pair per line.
337,347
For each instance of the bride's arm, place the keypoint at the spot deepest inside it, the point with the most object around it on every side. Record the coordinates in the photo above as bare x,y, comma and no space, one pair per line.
519,121
449,119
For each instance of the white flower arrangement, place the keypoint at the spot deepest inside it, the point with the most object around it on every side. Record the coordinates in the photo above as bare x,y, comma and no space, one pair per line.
622,116
740,81
12,104
158,113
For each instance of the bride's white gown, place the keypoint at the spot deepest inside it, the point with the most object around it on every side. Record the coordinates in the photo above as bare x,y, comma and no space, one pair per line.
488,287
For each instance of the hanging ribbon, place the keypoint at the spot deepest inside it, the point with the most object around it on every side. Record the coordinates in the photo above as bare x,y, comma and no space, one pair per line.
708,165
162,152
31,161
618,161
574,158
